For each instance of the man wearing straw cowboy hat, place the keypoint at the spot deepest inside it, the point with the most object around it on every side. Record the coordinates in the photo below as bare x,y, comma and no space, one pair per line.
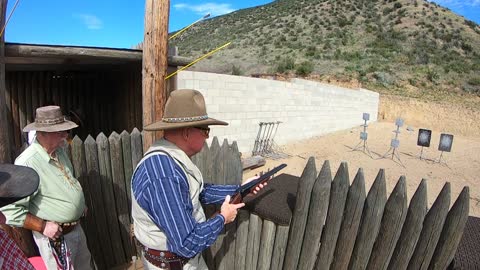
16,182
167,189
52,213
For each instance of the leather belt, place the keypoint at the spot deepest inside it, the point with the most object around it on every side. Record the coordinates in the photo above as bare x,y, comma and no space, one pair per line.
67,227
164,259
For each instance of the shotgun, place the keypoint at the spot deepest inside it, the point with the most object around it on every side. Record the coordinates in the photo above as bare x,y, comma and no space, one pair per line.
245,189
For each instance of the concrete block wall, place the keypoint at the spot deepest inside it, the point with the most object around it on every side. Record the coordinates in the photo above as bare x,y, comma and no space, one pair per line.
305,108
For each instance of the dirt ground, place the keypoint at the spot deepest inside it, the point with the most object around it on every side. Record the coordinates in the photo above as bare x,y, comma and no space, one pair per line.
461,167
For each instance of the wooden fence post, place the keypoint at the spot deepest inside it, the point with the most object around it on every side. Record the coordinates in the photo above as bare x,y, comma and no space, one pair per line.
93,172
136,146
280,247
338,196
452,232
243,218
432,227
370,224
105,166
127,170
393,218
253,243
317,213
120,192
80,167
411,229
299,218
267,242
351,222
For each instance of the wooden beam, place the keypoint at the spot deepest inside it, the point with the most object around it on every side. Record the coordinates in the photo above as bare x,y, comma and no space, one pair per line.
16,50
154,71
5,138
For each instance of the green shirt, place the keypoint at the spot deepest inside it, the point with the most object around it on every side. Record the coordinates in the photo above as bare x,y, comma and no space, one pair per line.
59,196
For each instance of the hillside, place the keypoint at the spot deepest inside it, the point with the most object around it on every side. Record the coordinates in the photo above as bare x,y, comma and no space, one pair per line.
409,47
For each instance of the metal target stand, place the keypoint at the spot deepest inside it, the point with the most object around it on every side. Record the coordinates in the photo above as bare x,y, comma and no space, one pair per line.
363,138
394,144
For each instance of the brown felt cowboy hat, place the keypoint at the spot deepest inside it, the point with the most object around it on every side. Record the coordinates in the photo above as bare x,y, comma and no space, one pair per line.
50,119
16,182
184,108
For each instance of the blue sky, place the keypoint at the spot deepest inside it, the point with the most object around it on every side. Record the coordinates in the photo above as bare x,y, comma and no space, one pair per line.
119,23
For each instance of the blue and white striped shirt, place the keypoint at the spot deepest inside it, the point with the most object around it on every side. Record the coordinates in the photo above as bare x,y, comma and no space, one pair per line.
161,188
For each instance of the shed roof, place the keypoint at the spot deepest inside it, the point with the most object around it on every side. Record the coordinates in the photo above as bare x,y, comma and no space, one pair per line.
37,56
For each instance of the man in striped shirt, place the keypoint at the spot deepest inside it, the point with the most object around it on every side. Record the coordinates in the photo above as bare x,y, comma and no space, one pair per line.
168,189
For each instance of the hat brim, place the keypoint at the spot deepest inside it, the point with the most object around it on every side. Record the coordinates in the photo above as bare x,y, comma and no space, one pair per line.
16,182
161,125
66,125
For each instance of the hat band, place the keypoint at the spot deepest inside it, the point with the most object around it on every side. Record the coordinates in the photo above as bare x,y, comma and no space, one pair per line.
184,119
50,121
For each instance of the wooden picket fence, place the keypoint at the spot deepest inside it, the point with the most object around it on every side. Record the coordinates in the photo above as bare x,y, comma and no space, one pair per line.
335,224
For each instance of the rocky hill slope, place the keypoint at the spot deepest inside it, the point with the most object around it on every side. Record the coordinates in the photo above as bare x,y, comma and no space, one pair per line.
413,48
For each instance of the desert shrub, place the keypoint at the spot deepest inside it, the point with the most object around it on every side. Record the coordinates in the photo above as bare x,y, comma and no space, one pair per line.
474,81
236,70
285,65
432,75
304,69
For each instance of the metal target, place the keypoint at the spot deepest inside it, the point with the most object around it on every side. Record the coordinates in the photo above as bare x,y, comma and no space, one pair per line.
363,136
424,137
395,143
446,141
399,122
366,116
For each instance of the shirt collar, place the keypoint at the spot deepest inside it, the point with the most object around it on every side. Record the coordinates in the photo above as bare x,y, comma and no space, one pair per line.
41,151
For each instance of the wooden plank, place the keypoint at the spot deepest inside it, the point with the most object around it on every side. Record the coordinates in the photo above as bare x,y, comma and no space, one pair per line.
224,238
120,191
22,113
88,223
35,95
452,232
233,175
316,216
432,227
15,119
370,223
5,140
338,196
105,167
351,222
6,123
41,88
242,238
411,229
267,241
391,227
280,247
96,193
136,146
28,99
253,162
299,217
127,168
253,243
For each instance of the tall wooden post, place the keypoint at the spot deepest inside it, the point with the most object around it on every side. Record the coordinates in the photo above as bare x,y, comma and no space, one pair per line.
154,65
5,138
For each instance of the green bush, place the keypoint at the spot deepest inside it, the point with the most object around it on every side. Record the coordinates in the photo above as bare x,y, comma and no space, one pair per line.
236,70
474,81
304,68
285,65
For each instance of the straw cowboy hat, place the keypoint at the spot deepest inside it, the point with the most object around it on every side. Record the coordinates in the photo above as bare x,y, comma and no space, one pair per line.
16,182
184,108
50,119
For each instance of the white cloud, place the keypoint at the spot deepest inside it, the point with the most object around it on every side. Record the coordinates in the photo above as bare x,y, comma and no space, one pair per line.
202,9
91,21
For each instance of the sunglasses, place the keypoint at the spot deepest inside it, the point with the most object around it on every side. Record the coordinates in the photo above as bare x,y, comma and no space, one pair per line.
205,130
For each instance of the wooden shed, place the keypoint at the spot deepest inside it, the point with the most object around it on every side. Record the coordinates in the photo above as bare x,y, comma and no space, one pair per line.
104,84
